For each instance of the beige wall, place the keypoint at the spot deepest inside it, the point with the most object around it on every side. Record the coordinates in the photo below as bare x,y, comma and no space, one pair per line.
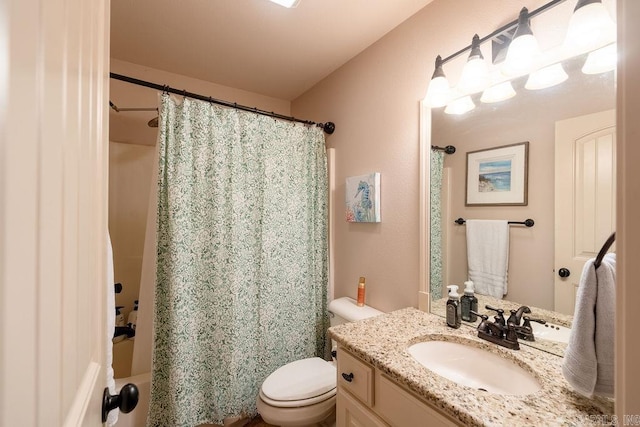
130,167
374,101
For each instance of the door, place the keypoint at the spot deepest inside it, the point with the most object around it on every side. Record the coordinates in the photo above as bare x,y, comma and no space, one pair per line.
584,198
53,216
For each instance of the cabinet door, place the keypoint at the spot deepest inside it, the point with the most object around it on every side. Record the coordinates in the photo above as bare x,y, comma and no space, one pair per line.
351,413
360,381
400,408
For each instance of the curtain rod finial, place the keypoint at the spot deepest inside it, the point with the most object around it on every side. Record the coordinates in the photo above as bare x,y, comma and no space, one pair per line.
329,127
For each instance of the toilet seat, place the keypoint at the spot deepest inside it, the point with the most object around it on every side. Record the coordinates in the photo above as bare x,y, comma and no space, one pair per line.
297,403
300,383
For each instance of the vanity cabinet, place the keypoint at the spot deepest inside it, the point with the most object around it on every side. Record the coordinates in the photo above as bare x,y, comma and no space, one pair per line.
368,397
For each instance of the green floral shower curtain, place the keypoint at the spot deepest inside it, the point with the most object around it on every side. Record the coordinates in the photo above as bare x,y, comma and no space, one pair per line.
435,280
242,258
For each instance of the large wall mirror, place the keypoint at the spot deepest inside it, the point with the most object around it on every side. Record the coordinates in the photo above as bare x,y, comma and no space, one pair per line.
573,209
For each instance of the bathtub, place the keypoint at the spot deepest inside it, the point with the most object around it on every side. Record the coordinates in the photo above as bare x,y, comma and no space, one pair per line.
137,417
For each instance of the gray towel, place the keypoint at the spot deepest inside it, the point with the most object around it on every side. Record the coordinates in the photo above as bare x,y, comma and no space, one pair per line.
589,358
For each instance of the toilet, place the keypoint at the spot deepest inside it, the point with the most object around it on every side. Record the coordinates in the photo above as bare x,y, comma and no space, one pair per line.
303,393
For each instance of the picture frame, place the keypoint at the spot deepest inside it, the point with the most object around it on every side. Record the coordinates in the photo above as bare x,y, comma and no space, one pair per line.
363,198
498,176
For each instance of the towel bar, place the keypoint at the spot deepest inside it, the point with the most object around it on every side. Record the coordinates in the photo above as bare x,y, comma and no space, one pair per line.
528,222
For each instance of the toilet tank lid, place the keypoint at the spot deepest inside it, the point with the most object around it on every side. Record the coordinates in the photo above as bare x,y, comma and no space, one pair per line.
348,309
300,380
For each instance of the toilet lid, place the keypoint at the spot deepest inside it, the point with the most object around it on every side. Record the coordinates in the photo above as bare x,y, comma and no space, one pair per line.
299,380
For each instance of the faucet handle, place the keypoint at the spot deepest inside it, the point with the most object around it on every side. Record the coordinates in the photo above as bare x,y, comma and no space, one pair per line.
512,335
482,316
528,320
482,326
500,317
524,332
513,319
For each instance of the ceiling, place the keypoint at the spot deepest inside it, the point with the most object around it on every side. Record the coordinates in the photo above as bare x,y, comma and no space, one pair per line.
254,45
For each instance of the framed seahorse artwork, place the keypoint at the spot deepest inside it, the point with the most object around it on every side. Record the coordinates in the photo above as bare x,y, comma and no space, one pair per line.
363,198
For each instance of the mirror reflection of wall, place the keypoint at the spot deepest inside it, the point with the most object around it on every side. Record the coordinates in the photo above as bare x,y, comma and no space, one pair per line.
529,116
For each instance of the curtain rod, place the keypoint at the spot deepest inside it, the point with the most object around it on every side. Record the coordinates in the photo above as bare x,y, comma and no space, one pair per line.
328,127
449,149
505,28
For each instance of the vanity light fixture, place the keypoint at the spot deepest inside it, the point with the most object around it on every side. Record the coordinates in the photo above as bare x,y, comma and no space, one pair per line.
590,26
499,92
460,106
438,93
601,60
523,51
475,74
525,57
546,77
287,3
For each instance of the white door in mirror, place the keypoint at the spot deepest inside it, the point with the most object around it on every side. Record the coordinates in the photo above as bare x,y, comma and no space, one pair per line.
584,198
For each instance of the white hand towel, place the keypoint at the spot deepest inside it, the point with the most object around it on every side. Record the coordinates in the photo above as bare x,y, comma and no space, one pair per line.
112,418
589,357
488,256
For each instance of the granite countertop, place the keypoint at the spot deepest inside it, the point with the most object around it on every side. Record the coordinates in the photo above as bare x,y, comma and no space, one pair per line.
551,317
382,341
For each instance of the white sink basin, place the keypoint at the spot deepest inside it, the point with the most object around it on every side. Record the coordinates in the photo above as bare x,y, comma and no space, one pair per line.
551,332
474,367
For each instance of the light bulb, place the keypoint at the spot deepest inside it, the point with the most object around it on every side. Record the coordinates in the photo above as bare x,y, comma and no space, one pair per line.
287,3
601,60
523,52
497,93
438,92
460,106
475,74
590,27
522,55
546,77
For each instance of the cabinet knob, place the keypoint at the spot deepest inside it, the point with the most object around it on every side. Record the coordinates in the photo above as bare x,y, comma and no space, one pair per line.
348,377
564,272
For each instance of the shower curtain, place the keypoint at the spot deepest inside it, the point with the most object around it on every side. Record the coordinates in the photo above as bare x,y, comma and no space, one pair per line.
435,279
242,258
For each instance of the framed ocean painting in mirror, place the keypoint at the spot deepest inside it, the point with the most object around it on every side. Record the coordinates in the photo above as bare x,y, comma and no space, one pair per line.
498,176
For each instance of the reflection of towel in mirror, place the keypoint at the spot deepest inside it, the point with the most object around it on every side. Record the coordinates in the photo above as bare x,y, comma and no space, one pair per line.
488,256
589,359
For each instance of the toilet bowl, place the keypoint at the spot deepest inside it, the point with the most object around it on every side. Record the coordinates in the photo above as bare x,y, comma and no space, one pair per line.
303,393
300,393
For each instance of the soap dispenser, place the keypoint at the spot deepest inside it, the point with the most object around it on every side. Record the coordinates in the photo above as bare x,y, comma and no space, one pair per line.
469,303
453,307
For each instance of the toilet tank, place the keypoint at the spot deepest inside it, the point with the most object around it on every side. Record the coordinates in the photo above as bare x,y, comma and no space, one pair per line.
345,309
